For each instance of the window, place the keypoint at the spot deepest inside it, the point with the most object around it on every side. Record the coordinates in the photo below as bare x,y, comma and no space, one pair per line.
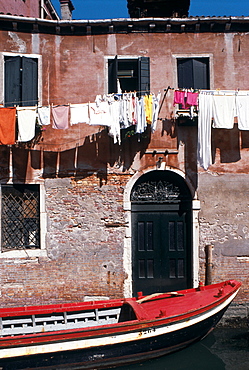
193,73
20,217
133,74
21,81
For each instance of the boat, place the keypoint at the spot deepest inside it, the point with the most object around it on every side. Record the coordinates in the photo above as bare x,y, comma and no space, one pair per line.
101,334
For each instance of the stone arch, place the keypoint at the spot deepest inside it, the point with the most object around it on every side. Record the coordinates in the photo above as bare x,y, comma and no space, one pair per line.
165,190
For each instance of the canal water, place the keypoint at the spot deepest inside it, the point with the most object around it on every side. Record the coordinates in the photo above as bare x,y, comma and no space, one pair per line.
223,349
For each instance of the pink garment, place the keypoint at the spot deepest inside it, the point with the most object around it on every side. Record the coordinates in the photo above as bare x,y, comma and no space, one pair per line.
192,99
60,116
179,98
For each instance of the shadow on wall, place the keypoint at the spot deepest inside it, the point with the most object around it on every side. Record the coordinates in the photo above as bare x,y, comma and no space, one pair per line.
169,128
96,153
226,143
188,136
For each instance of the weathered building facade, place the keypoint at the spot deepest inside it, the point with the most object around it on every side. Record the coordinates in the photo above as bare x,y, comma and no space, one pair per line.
29,8
84,216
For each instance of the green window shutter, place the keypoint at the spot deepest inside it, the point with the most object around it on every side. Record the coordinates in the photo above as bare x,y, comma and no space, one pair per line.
144,75
193,73
185,73
112,75
201,73
12,78
29,81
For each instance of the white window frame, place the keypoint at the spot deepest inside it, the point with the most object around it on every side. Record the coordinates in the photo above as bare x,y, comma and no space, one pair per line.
107,58
29,253
183,56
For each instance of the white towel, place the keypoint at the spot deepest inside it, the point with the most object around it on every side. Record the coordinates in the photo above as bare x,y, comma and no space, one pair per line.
79,113
44,115
242,107
204,153
99,114
26,117
223,111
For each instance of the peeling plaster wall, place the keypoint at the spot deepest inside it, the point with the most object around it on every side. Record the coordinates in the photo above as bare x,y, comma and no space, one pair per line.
224,224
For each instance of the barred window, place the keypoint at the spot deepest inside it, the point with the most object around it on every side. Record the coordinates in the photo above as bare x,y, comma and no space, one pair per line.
20,217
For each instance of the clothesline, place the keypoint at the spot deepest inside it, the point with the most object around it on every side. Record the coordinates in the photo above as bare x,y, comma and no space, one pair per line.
116,111
219,92
17,103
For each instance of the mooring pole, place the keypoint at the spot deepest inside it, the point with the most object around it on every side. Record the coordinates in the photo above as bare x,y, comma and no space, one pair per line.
209,264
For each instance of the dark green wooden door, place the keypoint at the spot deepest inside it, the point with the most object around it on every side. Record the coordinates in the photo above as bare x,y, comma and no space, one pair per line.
161,249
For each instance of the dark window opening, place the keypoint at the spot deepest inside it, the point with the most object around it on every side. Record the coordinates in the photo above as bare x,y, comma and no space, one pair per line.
193,73
20,217
130,74
21,81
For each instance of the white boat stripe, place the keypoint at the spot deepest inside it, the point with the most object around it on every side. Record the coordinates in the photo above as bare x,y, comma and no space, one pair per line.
114,339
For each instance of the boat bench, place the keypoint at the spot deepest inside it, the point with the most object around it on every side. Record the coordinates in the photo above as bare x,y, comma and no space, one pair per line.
57,321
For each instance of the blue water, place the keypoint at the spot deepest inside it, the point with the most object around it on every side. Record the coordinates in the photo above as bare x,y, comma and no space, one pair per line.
223,349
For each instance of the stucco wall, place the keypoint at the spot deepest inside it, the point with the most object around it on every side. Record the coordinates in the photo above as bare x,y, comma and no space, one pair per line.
27,8
224,224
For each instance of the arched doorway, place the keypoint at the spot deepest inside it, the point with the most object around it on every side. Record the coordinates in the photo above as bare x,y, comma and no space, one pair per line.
161,219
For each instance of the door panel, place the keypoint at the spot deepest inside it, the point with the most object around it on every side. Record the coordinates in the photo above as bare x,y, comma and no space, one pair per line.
161,259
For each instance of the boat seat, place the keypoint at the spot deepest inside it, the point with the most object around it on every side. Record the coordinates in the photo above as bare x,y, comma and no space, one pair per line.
58,321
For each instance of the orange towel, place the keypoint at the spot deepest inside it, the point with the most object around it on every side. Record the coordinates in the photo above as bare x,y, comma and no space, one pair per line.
7,126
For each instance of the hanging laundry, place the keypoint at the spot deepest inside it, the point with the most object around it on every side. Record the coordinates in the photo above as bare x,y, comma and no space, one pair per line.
192,99
44,115
114,129
134,100
180,98
7,126
131,113
26,117
204,153
156,106
242,110
148,108
123,122
99,112
123,111
141,117
60,116
223,111
79,113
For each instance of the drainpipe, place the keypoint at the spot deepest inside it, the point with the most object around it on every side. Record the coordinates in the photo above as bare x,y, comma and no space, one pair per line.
209,264
66,9
42,9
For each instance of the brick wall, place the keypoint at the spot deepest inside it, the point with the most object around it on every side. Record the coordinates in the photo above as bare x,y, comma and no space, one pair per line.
84,246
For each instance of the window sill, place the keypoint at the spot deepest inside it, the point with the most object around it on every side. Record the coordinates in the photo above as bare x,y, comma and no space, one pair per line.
24,253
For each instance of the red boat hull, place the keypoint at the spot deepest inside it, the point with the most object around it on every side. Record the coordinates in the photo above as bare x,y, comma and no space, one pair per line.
128,341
